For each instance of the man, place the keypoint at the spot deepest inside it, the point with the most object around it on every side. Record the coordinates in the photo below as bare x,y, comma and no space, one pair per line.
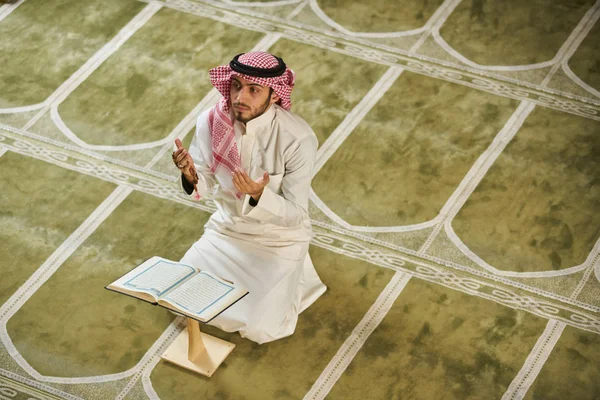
260,158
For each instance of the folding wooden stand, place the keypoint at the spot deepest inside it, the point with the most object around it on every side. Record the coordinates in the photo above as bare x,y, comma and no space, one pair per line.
197,351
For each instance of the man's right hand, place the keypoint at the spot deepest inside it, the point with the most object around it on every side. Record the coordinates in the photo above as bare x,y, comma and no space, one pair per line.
183,161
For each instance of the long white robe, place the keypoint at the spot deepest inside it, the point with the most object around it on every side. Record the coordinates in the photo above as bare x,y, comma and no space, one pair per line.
263,248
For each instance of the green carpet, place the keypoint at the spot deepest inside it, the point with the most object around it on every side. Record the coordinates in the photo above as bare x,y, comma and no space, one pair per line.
455,204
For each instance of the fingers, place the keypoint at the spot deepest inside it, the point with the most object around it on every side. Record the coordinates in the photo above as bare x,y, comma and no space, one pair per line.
237,184
182,157
246,185
189,170
183,160
240,184
246,181
178,156
256,185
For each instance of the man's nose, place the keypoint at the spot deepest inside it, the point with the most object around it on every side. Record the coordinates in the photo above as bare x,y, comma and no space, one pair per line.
242,94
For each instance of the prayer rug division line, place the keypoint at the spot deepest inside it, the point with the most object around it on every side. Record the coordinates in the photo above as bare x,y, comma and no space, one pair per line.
354,117
358,337
578,80
404,254
565,52
359,112
574,40
535,361
592,264
6,9
45,271
31,389
477,172
93,63
314,6
357,229
152,357
83,152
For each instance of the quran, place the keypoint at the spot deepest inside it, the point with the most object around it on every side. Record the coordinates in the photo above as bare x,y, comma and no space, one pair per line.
179,287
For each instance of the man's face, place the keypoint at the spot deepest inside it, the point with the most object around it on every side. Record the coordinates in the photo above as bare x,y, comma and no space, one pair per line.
250,100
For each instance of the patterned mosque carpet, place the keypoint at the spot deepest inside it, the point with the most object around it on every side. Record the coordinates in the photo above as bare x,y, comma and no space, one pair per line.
455,202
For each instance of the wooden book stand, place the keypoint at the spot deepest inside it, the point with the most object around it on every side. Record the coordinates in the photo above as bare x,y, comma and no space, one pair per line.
197,351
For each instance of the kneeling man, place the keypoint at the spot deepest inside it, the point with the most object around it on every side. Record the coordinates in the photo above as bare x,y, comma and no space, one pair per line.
258,158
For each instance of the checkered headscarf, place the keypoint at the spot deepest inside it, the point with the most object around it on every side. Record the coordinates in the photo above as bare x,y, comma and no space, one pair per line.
258,67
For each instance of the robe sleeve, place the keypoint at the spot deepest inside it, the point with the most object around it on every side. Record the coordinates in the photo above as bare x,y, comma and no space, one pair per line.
291,207
206,179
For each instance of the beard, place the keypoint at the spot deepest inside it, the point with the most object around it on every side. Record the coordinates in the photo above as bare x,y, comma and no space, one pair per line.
260,111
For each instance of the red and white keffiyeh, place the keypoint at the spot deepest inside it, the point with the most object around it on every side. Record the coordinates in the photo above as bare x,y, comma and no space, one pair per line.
220,117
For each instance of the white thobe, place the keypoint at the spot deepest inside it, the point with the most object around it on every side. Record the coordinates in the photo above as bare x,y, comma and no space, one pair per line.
263,248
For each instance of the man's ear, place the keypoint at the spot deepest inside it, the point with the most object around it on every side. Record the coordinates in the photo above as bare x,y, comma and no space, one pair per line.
274,97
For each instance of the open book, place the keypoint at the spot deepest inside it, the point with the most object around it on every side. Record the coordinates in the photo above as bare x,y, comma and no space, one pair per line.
179,287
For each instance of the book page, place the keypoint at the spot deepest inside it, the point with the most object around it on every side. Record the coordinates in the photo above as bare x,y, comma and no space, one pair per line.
199,293
159,277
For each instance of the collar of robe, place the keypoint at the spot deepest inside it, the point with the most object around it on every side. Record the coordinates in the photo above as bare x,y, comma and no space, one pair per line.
254,124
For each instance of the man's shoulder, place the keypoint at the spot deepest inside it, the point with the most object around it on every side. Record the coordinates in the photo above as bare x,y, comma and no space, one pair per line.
203,117
294,125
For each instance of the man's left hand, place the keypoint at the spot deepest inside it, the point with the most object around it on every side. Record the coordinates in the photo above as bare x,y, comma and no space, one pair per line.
244,184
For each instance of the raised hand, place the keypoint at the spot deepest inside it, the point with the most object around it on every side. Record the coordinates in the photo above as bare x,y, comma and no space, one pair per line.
183,160
244,184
